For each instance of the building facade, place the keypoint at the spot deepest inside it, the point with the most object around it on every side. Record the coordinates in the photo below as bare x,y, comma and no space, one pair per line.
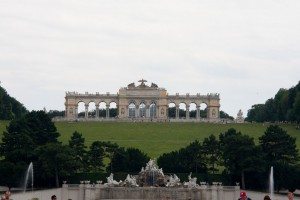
142,102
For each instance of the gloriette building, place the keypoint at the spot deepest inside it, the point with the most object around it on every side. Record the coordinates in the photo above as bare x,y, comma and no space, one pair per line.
143,102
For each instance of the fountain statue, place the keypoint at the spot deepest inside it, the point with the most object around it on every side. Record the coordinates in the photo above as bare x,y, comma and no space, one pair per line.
111,181
174,181
150,183
151,176
192,182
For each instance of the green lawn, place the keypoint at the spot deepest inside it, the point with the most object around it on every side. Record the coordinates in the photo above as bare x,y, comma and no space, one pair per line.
155,138
158,138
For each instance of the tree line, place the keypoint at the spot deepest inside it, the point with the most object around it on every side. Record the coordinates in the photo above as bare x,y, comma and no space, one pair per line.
285,106
34,138
10,108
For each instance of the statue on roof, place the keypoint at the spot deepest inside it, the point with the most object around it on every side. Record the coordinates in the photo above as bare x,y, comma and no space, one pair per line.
131,85
142,81
153,85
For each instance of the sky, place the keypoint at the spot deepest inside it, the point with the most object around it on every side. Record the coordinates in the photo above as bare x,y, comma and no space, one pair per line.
244,50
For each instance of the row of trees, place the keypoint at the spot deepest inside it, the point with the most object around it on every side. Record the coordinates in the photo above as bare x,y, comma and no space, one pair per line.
10,108
33,138
240,157
285,106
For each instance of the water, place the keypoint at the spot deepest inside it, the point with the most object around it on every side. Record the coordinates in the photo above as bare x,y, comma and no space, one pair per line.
28,176
271,183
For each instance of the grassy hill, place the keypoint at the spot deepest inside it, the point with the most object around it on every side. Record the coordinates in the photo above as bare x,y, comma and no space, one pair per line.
156,138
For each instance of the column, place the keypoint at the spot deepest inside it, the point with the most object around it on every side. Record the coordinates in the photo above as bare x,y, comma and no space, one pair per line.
157,111
66,112
198,112
107,111
137,111
147,111
97,112
177,112
86,111
76,111
187,112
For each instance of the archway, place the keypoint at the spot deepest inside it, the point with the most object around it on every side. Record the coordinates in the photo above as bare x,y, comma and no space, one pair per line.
91,110
203,110
193,110
81,110
142,110
131,110
172,110
113,111
182,110
102,109
152,109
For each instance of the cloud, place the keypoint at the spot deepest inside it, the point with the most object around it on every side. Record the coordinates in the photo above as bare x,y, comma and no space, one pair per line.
245,51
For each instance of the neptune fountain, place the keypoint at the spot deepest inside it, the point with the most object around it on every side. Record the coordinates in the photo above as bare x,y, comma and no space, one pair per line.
149,183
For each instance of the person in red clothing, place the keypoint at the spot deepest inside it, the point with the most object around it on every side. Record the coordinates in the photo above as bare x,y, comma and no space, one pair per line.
243,196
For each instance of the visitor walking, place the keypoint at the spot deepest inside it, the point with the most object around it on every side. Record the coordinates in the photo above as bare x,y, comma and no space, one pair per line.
243,196
6,196
290,196
267,197
53,197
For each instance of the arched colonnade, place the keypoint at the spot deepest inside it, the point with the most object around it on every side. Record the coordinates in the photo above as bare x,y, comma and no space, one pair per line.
141,102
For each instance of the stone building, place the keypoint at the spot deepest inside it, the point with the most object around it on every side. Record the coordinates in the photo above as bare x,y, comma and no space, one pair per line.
142,102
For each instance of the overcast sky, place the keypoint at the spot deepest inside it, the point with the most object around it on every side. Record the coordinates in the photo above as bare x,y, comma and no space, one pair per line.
244,50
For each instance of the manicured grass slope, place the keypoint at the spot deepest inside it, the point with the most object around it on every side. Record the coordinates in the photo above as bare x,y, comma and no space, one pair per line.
155,138
158,138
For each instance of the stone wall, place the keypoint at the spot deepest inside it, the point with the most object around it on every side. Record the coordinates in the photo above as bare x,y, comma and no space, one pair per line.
102,192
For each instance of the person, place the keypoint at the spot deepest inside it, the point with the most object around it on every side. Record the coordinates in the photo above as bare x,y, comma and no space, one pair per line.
53,197
243,196
6,196
290,196
267,197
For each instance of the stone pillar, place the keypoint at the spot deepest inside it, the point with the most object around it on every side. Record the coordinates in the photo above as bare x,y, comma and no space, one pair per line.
86,111
147,111
97,111
107,111
157,111
64,191
198,112
137,114
187,112
177,112
81,191
76,111
66,112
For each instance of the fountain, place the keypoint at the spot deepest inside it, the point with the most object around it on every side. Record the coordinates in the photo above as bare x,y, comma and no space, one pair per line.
29,174
149,183
271,183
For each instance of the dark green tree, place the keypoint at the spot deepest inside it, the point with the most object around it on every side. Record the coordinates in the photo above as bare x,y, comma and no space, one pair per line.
129,160
278,146
95,156
77,144
10,108
211,150
170,162
55,163
240,155
192,158
280,151
110,149
24,135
